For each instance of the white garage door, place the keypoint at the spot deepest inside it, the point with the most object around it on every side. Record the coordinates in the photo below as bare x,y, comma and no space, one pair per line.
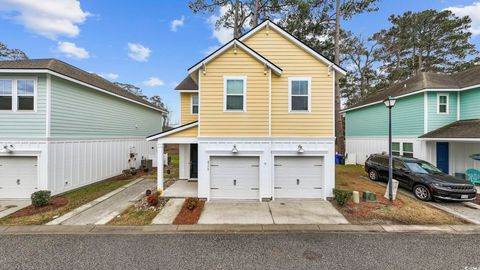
18,177
234,178
298,177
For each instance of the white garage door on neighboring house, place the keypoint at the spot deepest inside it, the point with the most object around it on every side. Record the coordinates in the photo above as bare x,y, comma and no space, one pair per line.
234,178
18,177
298,177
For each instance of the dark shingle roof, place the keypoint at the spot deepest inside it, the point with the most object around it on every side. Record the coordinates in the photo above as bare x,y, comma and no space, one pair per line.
187,84
74,73
462,129
425,80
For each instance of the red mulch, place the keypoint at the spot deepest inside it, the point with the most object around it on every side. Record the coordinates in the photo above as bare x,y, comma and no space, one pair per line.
187,216
54,203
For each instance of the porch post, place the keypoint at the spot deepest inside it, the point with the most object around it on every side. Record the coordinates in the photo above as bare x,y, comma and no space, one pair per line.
160,163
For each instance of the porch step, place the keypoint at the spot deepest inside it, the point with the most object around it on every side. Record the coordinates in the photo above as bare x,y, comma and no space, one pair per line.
169,212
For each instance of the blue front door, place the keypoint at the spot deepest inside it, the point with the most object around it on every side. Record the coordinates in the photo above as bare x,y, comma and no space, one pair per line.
442,156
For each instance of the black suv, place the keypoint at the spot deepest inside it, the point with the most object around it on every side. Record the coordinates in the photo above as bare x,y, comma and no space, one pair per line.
425,180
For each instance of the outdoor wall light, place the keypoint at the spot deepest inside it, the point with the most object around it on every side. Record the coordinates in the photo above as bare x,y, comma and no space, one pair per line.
390,102
7,149
300,149
234,149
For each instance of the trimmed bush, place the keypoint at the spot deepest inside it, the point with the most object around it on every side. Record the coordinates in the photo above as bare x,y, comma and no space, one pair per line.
342,196
40,198
192,203
152,199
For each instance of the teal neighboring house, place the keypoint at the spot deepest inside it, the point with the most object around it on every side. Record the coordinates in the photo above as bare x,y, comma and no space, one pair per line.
436,118
62,128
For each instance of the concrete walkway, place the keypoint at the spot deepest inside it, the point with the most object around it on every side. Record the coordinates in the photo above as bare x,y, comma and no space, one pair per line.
169,212
182,189
8,207
109,208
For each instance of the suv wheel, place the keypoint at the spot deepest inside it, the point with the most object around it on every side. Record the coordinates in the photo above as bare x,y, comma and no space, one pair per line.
421,192
373,175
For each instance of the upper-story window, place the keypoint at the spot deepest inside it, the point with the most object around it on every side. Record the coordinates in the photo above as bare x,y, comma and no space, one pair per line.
17,95
6,95
299,94
442,103
194,104
235,93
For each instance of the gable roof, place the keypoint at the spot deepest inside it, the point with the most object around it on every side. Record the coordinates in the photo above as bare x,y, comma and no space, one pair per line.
173,130
296,41
423,81
463,129
244,47
187,84
62,68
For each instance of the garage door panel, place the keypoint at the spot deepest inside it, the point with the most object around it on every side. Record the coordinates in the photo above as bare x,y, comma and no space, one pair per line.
298,177
18,176
234,177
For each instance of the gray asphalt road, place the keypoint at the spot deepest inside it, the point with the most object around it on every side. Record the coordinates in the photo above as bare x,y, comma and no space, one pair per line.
241,251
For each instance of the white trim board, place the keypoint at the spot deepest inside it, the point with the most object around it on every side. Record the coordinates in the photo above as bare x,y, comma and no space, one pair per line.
242,46
297,42
47,71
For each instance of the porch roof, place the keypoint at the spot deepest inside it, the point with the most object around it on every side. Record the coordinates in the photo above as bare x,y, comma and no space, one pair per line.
176,130
459,130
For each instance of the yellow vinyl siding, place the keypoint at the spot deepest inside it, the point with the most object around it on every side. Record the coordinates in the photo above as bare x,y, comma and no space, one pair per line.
213,120
187,133
295,62
185,109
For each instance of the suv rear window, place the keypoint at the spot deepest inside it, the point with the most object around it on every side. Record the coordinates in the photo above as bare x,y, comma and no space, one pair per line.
380,160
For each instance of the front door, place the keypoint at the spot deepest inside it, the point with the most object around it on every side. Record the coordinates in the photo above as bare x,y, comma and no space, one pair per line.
442,156
193,160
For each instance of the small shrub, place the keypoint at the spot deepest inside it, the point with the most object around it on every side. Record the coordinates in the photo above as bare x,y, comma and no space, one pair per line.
342,196
127,173
152,199
133,171
40,198
192,203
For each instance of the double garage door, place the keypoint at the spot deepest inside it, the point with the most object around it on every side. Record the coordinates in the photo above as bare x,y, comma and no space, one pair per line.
238,177
18,177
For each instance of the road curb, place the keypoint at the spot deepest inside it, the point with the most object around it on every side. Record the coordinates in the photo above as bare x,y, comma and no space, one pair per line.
230,228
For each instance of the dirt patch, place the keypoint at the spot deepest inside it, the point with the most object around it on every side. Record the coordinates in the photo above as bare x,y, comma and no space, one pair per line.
404,210
477,200
53,203
141,213
187,216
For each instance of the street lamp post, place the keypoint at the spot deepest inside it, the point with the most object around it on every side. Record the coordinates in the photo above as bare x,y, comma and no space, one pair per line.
390,103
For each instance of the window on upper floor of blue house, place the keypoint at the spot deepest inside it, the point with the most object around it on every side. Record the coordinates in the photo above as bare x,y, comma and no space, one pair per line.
17,95
442,104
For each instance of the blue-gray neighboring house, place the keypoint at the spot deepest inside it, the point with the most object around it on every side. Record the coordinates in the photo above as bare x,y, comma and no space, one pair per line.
62,128
436,118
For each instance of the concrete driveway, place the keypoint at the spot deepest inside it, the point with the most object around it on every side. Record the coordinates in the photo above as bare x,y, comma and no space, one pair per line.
275,212
8,207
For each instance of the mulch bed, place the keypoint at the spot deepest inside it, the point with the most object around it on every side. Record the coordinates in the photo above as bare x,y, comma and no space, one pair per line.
187,216
364,209
53,203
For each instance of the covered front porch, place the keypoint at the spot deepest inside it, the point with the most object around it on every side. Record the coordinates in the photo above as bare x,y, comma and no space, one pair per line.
455,149
185,185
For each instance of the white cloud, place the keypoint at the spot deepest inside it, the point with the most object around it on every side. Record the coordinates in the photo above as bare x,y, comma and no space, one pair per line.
49,18
210,50
473,11
71,50
177,23
153,81
138,52
222,34
109,76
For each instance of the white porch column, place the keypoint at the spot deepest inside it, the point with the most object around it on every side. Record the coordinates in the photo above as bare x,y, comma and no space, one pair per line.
160,165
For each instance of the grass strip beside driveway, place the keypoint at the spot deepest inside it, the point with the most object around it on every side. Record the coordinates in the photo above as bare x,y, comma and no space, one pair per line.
75,199
404,210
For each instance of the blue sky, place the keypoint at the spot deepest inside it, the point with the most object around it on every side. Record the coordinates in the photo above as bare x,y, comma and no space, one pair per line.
151,43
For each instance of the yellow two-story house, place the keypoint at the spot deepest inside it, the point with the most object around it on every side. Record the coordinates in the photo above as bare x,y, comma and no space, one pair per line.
257,120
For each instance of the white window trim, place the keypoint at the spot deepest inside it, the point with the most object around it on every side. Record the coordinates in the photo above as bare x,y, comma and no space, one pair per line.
15,94
290,79
438,103
191,105
403,148
225,78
